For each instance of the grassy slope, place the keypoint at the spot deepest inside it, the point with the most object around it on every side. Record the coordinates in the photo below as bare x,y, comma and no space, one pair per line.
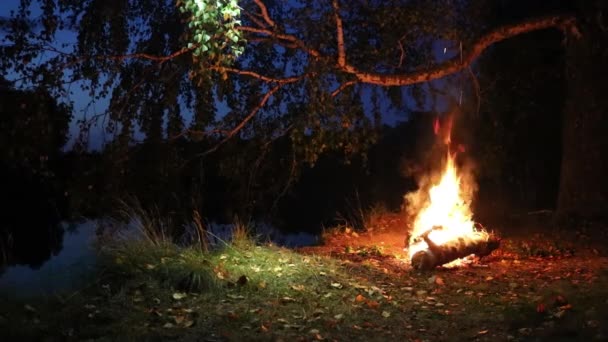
356,288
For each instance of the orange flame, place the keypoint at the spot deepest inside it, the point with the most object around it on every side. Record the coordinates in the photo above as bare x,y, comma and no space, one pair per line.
446,213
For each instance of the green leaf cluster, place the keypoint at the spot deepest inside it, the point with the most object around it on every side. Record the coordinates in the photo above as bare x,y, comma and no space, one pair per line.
214,33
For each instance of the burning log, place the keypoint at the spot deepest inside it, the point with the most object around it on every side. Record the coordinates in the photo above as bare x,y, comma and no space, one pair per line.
435,255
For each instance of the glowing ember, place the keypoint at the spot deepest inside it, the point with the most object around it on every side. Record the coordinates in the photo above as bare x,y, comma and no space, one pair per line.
446,216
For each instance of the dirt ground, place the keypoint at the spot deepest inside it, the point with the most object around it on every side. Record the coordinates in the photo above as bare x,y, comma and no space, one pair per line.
541,284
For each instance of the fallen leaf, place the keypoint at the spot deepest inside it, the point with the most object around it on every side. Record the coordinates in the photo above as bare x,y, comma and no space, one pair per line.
168,325
179,295
339,316
359,298
336,285
372,304
482,332
232,296
439,281
386,314
297,287
287,300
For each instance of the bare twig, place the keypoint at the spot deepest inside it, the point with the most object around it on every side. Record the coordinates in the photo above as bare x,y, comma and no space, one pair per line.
477,88
283,37
339,34
342,87
264,11
257,75
242,124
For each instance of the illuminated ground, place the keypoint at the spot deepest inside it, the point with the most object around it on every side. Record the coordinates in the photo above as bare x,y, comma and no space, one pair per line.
356,287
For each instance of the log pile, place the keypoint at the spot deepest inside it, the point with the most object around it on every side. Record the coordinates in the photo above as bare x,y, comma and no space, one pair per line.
436,255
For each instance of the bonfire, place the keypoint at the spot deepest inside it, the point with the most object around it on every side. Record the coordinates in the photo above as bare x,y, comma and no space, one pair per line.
443,230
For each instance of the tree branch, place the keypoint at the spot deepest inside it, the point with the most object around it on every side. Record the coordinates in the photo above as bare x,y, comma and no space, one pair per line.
342,87
566,24
242,124
286,37
257,75
264,11
339,35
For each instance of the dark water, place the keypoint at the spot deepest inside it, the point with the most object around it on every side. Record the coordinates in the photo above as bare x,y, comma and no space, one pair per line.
62,273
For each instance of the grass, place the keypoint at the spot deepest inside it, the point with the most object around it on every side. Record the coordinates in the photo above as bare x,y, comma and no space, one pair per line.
247,290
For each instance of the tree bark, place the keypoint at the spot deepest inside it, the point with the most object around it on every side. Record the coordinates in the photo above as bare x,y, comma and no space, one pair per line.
583,189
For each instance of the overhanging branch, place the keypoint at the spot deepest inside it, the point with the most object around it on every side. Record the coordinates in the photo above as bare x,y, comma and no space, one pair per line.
565,23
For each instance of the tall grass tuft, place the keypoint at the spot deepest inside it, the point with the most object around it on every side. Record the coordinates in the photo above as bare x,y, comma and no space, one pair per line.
241,236
201,231
149,223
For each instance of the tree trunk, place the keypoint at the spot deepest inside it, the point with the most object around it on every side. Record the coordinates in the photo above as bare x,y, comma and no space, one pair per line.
584,170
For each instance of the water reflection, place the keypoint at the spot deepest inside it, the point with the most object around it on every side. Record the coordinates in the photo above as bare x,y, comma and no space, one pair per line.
62,272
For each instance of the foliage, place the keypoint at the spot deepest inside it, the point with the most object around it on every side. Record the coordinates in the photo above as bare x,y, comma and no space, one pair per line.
136,57
214,32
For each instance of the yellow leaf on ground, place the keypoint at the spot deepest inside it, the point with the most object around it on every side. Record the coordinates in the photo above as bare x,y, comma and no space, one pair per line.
179,295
